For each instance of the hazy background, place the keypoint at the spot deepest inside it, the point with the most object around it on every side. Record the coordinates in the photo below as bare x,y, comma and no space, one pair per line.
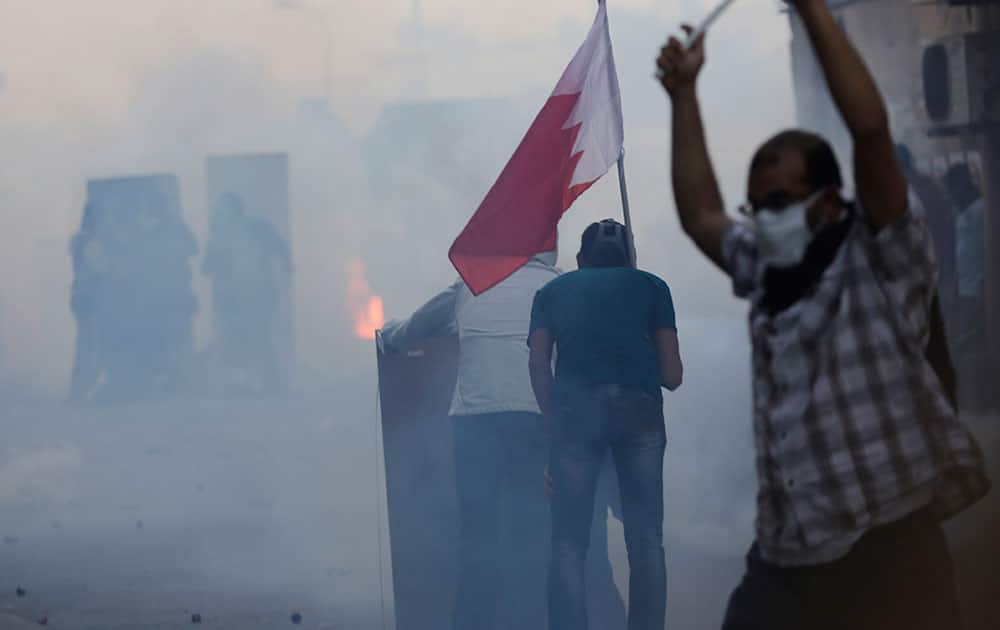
248,511
105,88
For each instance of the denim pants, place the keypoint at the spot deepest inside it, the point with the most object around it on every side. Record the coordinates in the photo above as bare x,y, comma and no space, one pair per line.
586,424
896,577
504,521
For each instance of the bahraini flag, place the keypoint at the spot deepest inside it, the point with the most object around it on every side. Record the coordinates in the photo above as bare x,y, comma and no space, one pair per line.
573,141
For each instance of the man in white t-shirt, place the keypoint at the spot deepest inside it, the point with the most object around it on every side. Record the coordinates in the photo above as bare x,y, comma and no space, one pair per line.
499,442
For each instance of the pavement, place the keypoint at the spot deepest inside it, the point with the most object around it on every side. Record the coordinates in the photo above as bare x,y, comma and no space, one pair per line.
12,622
247,513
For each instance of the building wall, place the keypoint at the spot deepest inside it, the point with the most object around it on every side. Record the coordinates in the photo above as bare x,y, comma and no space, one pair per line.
891,36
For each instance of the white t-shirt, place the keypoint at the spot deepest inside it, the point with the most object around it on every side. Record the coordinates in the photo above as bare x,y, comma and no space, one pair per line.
492,330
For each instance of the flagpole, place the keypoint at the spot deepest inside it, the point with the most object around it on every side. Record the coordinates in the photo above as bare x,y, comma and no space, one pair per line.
625,208
613,80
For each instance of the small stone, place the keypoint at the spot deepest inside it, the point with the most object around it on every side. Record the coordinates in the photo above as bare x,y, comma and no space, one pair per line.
195,618
200,487
296,618
44,621
56,525
11,540
139,525
21,592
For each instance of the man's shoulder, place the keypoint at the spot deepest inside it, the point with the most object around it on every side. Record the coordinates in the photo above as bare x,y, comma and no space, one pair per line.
651,277
645,280
581,279
560,282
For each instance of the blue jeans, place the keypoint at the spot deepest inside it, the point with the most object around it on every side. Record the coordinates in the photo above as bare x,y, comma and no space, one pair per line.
503,512
586,423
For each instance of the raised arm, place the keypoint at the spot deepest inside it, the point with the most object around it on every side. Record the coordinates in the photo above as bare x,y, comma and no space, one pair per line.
696,191
881,188
434,319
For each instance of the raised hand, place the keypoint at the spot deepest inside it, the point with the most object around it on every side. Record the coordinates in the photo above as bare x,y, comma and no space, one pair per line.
678,67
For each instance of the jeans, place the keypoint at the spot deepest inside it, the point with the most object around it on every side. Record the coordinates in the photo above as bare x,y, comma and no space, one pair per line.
586,423
504,521
605,606
896,577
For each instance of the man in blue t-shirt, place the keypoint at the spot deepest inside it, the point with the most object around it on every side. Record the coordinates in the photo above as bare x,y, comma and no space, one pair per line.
614,330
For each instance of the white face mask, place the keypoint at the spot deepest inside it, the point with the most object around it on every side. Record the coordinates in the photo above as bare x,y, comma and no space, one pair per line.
783,235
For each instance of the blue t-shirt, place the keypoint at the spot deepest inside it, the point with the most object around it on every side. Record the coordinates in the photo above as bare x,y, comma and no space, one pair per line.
603,321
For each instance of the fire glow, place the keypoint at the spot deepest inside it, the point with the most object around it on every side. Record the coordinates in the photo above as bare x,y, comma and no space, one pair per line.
365,307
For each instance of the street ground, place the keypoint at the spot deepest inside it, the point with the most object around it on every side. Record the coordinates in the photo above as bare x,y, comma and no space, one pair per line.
248,513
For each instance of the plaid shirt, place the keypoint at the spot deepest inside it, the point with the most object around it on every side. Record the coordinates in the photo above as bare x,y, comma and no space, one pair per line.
852,427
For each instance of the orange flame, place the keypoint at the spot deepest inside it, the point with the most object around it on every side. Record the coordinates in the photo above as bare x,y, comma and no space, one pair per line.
364,305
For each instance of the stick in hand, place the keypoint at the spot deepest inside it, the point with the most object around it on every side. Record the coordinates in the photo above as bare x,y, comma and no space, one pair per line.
712,17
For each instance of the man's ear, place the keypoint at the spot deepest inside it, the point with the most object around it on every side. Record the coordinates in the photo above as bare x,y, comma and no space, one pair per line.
579,262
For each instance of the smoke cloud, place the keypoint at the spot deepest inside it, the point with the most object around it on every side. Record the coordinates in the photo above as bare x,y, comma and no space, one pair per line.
396,117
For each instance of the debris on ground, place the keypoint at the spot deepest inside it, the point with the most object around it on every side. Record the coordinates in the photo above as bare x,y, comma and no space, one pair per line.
296,618
44,621
21,592
195,618
10,540
9,621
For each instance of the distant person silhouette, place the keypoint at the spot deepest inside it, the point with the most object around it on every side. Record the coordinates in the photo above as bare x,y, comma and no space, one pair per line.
145,313
248,263
970,263
90,266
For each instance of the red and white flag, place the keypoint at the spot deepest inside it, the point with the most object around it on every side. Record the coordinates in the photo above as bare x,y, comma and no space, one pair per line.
573,141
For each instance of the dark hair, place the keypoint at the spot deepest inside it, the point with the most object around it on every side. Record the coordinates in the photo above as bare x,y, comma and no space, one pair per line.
612,250
822,170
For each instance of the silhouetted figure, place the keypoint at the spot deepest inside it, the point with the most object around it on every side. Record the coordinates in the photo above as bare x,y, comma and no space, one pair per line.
248,263
930,198
970,264
170,300
147,304
90,267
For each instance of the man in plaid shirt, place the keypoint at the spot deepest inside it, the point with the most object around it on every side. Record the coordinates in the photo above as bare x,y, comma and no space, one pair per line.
860,454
